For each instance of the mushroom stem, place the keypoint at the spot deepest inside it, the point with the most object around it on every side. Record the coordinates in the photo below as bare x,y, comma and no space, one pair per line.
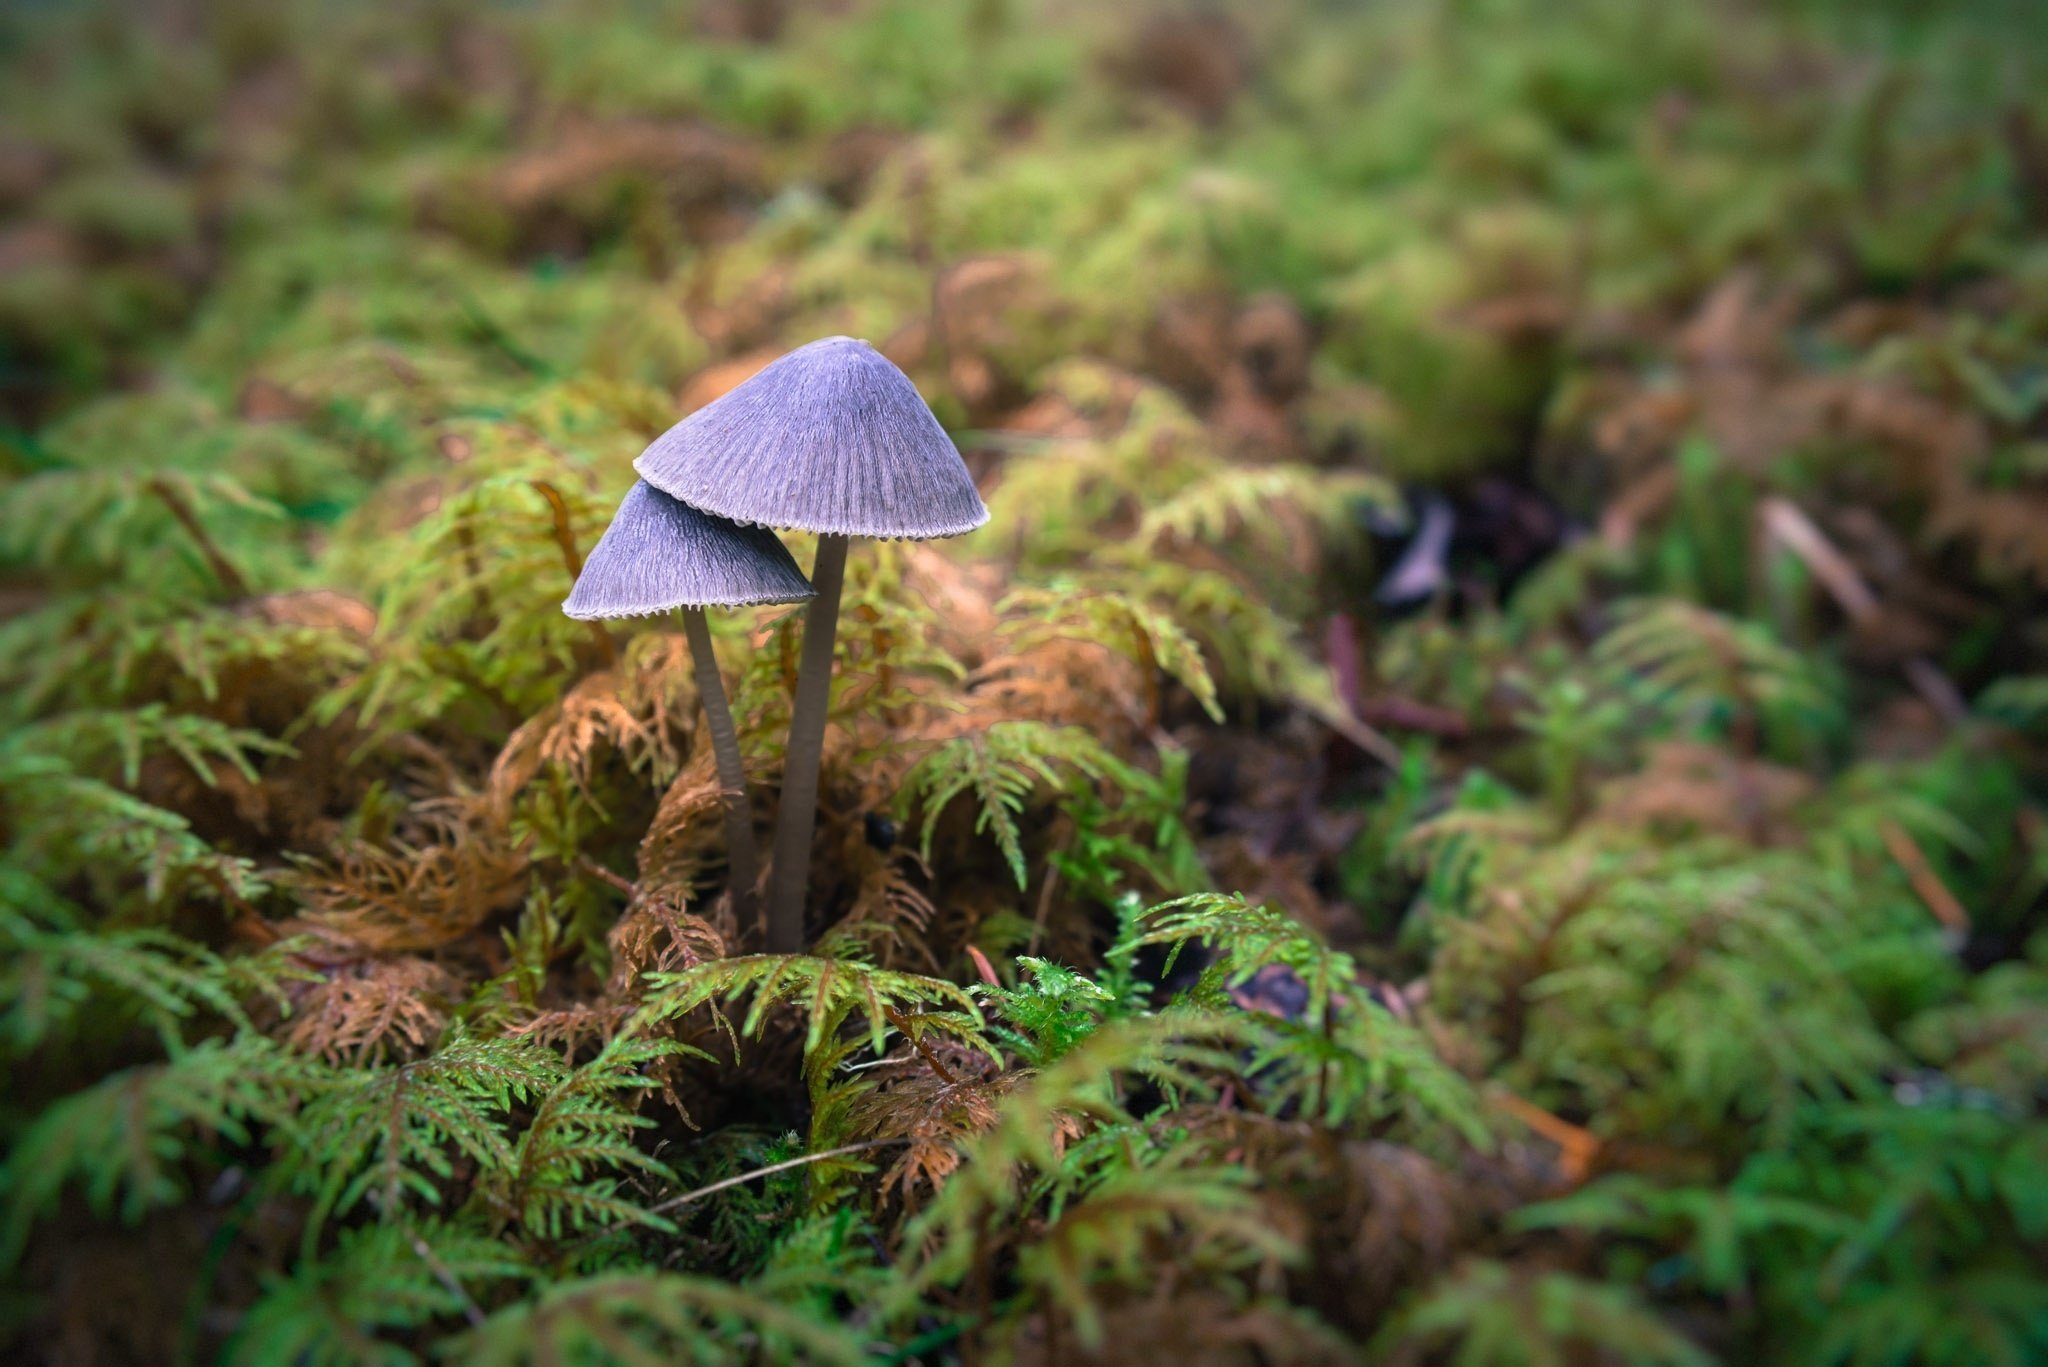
742,864
791,875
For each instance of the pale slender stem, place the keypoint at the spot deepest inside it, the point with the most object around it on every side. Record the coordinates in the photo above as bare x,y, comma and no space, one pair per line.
790,877
471,1311
677,1203
801,1160
742,864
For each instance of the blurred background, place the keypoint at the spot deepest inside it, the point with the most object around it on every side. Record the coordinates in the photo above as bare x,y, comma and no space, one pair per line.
1507,256
1591,457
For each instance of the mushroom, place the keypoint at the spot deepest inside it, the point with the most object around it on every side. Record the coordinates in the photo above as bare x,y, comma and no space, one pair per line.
660,554
834,439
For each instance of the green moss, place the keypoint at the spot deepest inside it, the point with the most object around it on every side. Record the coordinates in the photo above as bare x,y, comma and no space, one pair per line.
1194,939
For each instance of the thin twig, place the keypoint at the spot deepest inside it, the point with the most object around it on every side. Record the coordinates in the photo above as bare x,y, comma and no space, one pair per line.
1355,731
1791,528
1637,503
471,1311
677,1203
1788,525
1577,1147
585,864
897,1019
572,561
688,1197
1046,891
216,560
1926,882
1937,688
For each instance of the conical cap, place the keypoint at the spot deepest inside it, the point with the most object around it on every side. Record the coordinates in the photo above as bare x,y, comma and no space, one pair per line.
830,438
661,554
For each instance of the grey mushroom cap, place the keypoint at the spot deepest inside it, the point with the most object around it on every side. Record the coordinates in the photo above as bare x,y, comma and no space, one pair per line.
831,438
660,554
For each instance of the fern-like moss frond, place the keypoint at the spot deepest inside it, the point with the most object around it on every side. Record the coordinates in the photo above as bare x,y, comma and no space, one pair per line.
54,972
126,1139
826,991
1247,938
563,1174
1001,767
654,1317
1146,635
356,1303
1490,1313
389,1136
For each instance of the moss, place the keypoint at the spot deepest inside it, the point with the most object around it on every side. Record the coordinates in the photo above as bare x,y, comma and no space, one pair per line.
1631,951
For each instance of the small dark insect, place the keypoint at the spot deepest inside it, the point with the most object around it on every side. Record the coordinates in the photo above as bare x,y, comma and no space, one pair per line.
881,831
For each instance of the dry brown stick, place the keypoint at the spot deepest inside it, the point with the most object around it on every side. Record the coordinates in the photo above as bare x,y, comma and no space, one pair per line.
924,1051
1045,896
1636,504
216,559
1788,526
1937,688
1338,717
585,864
1577,1147
1926,882
572,560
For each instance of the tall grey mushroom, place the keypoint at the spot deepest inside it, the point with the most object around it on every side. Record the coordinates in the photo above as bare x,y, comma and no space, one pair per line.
832,439
660,554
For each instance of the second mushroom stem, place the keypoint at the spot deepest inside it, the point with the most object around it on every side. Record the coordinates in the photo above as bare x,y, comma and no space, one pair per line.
742,864
790,875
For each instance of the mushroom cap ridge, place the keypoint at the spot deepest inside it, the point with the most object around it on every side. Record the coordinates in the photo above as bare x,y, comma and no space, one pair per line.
831,438
660,554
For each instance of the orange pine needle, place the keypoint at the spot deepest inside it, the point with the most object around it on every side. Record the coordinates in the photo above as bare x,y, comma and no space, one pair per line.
1577,1148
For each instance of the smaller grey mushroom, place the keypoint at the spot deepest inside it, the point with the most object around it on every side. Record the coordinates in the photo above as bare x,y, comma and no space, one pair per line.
660,554
1422,570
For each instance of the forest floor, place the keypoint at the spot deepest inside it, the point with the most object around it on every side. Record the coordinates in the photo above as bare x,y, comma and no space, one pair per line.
1482,797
